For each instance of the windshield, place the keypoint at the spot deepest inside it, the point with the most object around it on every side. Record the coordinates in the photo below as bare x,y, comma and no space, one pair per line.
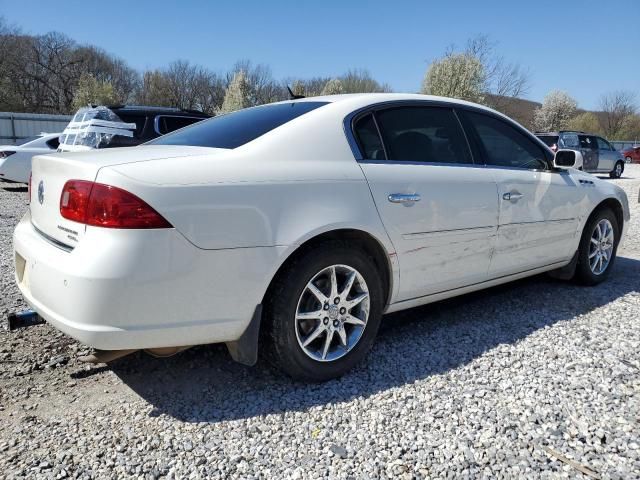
237,128
94,128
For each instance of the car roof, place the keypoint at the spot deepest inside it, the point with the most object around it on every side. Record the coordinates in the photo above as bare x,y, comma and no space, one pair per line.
355,101
365,99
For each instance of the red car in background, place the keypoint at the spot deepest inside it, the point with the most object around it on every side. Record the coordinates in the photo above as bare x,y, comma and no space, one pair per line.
632,154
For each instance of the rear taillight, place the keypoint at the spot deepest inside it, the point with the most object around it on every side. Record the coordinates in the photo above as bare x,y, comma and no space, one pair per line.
102,205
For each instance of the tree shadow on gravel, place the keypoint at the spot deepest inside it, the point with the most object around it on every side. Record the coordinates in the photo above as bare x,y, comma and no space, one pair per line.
204,385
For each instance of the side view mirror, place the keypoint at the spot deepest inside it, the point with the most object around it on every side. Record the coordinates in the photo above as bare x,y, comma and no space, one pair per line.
567,159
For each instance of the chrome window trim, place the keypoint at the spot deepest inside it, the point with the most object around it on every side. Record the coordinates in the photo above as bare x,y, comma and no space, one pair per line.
349,120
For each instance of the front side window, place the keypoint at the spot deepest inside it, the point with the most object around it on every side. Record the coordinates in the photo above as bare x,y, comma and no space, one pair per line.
505,146
603,144
588,142
238,128
423,134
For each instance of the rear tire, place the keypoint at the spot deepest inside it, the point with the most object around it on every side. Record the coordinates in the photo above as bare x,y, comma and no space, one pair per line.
297,291
617,170
595,245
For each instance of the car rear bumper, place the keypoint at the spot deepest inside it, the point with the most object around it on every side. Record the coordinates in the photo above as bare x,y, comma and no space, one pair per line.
131,289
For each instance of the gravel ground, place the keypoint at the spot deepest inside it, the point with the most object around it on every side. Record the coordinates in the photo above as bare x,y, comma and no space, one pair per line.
517,381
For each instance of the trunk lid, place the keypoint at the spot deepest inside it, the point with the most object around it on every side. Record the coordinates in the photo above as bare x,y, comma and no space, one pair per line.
51,172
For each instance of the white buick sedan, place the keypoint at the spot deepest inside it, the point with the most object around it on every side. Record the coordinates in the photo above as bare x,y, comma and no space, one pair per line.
294,226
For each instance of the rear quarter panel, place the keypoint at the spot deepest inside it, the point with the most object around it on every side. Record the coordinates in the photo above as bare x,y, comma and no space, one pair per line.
277,190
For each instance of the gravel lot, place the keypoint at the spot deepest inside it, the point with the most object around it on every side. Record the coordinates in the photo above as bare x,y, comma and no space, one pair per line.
501,383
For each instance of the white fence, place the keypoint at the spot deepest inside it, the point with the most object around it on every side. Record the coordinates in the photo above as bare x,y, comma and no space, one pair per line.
15,126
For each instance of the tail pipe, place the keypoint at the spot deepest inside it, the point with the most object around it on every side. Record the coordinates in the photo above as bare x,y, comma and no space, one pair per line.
24,319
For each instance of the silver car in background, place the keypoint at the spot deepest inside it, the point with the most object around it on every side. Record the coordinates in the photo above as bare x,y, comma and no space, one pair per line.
598,154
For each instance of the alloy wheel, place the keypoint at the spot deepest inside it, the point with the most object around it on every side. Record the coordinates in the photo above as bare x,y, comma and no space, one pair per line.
601,246
618,169
332,313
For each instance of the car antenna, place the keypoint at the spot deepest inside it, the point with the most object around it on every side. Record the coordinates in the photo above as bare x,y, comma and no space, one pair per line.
293,96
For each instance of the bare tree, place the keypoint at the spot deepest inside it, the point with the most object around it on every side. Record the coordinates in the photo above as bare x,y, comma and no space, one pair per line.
504,80
182,85
262,87
154,89
618,109
585,122
361,81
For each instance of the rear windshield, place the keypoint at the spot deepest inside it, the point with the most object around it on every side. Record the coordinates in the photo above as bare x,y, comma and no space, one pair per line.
235,129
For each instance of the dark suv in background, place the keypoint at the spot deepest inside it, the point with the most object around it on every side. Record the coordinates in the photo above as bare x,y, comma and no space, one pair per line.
123,125
151,122
598,154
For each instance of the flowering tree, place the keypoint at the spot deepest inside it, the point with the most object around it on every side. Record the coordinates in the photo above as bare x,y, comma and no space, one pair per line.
456,75
333,87
236,96
557,110
91,91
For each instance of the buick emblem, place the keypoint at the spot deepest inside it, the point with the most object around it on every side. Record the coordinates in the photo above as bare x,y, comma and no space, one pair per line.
41,192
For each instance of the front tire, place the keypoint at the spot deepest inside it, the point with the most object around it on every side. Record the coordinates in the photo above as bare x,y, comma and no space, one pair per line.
598,247
323,312
617,170
628,159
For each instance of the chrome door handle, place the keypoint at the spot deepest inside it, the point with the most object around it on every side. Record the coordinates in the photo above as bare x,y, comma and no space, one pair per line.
512,196
404,197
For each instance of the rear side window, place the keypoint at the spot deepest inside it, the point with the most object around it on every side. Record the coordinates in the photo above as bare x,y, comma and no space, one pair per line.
53,143
569,140
368,138
423,134
504,146
139,120
603,144
171,124
235,129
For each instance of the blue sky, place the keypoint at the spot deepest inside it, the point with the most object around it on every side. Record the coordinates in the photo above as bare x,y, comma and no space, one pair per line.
586,47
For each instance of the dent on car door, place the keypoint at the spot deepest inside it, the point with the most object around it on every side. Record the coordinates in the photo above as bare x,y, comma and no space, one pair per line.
539,208
439,209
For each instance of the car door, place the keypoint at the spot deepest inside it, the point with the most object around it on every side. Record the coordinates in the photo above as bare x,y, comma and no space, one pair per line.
439,209
539,207
589,149
607,155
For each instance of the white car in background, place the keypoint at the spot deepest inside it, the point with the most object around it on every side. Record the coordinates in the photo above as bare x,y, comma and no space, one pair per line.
15,160
294,226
